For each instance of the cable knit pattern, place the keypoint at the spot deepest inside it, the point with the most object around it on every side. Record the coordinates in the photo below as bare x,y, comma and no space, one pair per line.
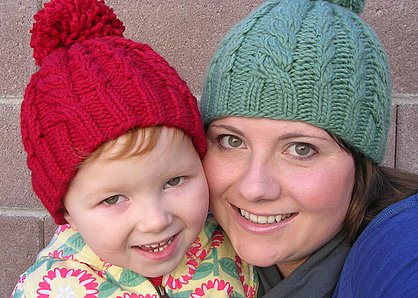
93,85
308,60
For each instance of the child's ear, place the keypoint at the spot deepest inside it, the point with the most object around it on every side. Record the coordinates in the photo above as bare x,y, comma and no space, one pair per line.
70,220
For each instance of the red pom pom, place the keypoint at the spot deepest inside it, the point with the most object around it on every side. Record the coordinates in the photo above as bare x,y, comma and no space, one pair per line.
61,23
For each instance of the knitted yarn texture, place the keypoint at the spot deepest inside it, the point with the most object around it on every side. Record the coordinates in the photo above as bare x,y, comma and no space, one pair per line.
305,60
93,85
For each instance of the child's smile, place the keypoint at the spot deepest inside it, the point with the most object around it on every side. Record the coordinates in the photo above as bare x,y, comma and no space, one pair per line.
157,247
141,212
161,250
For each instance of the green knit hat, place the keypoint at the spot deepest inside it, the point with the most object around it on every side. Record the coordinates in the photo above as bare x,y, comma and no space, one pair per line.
307,60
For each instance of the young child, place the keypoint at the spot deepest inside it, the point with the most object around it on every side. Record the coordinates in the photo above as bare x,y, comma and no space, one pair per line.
114,142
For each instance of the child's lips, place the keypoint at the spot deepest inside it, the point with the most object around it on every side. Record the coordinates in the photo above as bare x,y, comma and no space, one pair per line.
160,251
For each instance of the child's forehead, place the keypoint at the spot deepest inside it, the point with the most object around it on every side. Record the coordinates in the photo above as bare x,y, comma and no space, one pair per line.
140,141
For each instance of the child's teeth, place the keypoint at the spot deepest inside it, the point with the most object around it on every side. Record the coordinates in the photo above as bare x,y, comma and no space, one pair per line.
157,247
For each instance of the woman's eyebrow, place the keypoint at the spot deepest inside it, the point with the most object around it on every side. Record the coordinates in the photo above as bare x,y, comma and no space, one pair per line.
285,136
227,127
294,135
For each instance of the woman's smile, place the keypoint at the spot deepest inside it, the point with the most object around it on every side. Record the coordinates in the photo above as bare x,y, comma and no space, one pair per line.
265,219
280,189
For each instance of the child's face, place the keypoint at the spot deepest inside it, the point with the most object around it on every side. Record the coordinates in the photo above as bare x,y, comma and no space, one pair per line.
141,213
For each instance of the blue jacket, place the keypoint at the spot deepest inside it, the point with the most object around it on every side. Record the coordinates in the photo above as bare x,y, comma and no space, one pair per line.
383,262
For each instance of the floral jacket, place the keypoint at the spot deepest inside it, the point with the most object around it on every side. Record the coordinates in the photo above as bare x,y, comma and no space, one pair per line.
68,268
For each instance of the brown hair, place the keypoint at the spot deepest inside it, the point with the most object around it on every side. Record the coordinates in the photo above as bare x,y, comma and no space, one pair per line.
375,188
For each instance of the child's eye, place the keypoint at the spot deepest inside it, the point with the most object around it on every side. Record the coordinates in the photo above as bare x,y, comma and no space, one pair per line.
229,141
301,150
173,182
113,200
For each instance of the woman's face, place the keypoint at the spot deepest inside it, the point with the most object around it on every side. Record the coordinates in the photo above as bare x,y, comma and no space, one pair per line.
279,188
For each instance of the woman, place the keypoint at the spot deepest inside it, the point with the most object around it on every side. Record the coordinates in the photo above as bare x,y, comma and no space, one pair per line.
297,106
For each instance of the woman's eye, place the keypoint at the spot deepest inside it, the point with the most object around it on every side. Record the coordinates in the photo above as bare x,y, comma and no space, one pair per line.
113,200
228,141
173,182
301,150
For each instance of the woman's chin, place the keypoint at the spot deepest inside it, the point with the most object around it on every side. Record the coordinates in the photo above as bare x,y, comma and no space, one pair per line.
254,255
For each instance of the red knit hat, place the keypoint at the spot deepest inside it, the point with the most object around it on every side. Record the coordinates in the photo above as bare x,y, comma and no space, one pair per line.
93,85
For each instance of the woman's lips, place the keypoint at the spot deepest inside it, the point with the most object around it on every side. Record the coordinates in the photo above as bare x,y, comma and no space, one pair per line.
264,219
261,224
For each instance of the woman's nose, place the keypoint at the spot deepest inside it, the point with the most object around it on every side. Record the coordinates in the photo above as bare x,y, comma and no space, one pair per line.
258,182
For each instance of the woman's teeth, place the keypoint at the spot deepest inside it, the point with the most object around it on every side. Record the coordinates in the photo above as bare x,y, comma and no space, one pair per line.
264,219
157,247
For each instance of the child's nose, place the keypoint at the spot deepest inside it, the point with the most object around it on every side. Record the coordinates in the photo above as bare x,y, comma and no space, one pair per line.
153,218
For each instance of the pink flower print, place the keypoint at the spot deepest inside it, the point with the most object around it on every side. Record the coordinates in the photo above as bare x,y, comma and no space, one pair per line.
19,285
177,283
59,254
62,282
196,250
22,278
249,290
62,228
127,295
106,267
212,287
217,239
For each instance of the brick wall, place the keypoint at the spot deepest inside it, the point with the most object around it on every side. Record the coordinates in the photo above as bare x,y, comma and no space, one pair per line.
186,33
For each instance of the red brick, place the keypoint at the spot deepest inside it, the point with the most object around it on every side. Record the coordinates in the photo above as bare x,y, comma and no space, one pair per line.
21,239
15,187
407,138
